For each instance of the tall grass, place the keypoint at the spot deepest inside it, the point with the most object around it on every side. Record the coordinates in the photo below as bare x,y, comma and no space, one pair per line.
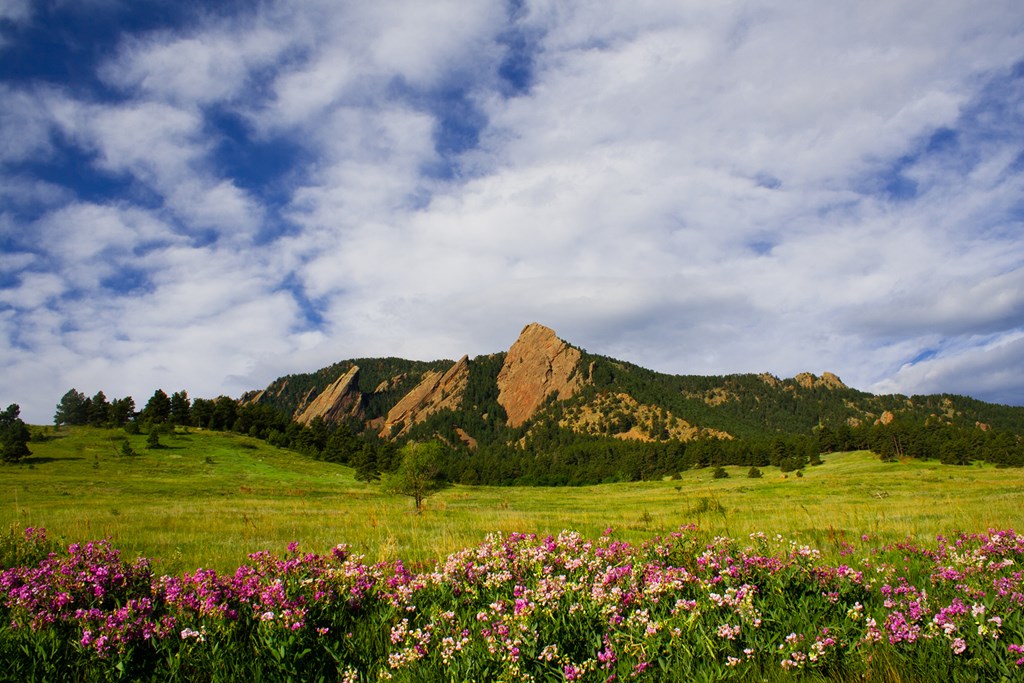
208,499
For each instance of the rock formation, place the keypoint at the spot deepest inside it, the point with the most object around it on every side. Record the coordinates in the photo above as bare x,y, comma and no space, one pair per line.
609,412
339,400
435,392
538,364
827,380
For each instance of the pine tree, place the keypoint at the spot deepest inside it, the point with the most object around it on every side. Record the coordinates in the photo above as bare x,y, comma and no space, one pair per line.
180,409
158,408
98,410
14,435
72,409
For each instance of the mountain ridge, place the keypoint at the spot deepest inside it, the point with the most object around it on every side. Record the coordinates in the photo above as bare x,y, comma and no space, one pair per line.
544,379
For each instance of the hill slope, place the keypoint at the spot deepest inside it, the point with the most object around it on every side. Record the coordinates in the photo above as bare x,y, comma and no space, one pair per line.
544,380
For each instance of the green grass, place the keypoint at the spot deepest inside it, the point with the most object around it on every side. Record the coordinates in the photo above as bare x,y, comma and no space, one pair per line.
208,499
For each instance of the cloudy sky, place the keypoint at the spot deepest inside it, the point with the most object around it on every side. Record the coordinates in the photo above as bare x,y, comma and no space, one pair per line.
206,196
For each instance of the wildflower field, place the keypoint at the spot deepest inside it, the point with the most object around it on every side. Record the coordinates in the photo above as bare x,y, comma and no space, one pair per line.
857,571
684,607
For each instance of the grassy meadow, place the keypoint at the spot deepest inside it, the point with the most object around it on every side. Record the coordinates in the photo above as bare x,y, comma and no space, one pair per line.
207,499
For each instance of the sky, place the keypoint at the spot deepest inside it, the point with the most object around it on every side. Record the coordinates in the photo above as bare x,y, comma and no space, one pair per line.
205,196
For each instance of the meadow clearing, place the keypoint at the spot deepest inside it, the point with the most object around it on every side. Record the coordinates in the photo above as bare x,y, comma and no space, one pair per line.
856,570
208,499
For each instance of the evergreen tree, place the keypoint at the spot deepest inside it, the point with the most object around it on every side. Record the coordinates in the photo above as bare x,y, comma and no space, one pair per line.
97,410
72,409
180,409
341,446
365,464
202,412
14,435
225,413
158,408
121,411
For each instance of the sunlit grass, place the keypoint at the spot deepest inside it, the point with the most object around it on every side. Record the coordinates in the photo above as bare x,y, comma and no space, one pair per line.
208,499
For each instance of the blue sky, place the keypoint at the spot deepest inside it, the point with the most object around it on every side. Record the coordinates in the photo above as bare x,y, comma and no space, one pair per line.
206,196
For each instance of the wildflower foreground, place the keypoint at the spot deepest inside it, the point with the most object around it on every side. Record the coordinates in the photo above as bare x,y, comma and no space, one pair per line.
520,608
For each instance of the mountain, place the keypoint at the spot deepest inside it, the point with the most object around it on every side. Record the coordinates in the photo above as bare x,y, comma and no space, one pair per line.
544,384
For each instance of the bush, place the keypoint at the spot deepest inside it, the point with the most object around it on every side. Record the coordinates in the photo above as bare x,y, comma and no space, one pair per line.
754,473
719,473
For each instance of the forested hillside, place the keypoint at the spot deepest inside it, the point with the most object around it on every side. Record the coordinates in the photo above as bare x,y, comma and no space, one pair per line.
548,413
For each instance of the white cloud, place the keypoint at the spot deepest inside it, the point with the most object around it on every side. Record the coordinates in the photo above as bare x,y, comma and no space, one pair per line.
155,142
20,191
34,290
165,148
24,135
211,65
699,187
986,367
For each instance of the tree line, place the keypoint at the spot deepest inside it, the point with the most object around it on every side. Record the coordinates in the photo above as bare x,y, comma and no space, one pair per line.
931,440
541,453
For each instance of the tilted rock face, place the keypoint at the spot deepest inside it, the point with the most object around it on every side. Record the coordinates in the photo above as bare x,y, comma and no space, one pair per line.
434,393
538,364
338,401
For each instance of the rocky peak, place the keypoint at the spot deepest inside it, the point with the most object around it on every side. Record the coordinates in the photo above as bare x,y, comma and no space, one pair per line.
827,380
537,365
435,392
339,400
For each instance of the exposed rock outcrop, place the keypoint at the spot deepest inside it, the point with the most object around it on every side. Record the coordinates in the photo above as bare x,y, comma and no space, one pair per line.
827,380
254,397
435,392
622,416
466,438
537,365
387,384
715,397
338,401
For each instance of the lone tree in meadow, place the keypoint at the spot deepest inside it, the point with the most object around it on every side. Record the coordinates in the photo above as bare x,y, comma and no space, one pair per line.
419,474
14,435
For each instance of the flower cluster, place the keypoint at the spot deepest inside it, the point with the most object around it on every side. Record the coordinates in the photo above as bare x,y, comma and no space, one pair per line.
519,607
